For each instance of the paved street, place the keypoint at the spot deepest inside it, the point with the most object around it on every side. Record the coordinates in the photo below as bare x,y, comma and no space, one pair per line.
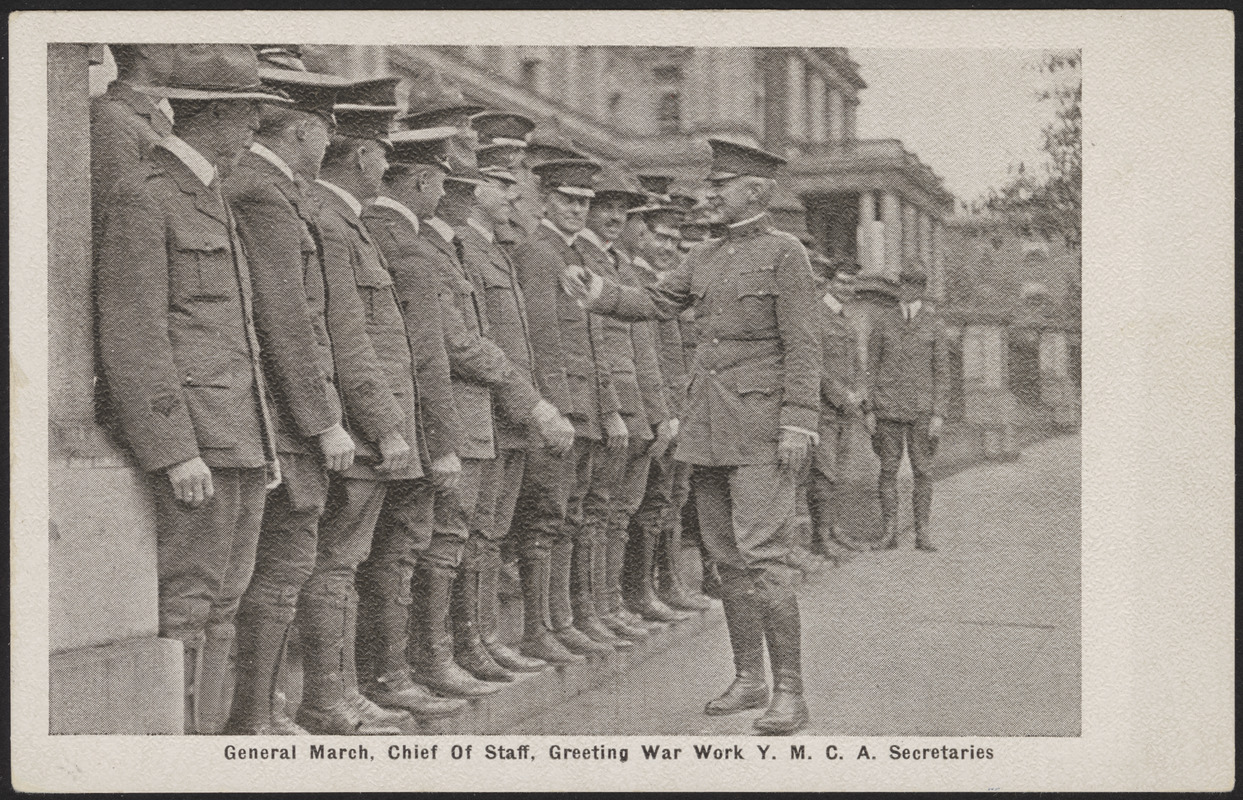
981,638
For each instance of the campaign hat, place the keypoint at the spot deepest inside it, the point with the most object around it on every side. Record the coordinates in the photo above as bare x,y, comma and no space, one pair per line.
732,160
215,72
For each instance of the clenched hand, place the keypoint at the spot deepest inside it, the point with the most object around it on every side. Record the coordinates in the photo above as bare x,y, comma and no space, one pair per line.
395,452
337,447
615,430
191,482
792,451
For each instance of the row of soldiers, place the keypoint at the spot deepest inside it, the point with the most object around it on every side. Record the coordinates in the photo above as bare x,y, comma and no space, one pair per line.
361,362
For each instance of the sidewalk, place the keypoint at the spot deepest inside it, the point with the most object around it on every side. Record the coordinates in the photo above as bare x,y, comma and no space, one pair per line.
981,638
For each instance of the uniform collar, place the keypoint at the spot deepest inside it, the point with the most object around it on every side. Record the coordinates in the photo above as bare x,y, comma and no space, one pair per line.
833,303
350,200
641,262
273,159
203,169
568,238
387,202
589,235
142,103
482,229
911,310
748,227
441,227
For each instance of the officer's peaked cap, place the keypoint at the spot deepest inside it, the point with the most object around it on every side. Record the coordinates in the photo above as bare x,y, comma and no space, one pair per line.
502,127
365,109
571,176
731,160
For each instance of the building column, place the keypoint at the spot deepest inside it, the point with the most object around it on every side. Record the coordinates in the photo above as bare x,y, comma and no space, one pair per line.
925,239
816,101
910,232
891,216
937,276
696,102
850,116
796,98
837,116
869,237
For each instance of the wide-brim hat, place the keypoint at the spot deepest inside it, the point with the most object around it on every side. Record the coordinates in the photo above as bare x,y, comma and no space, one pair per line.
570,176
214,72
502,127
310,92
365,109
425,146
732,160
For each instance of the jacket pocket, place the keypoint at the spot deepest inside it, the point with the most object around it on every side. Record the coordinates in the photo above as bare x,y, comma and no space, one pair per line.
201,264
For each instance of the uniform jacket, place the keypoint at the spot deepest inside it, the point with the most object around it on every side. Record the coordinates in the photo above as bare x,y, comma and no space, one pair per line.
567,369
671,353
438,418
275,224
490,267
125,125
176,334
840,370
756,364
908,367
477,365
373,363
615,342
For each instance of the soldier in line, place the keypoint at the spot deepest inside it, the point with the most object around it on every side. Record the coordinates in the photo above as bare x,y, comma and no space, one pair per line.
908,390
842,401
275,223
751,418
619,478
179,350
378,397
491,269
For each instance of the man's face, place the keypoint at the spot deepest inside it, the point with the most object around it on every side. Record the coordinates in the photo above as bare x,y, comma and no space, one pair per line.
236,123
314,134
493,201
730,199
454,207
372,162
567,212
421,191
607,217
666,249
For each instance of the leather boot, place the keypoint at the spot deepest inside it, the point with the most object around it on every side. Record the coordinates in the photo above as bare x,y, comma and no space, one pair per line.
588,583
261,636
787,713
489,612
464,614
432,645
537,639
325,707
888,489
562,597
746,640
400,691
214,686
675,593
192,661
923,510
646,603
614,572
369,714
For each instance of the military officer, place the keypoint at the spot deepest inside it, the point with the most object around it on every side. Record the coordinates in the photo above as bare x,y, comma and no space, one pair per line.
907,390
377,391
842,400
569,374
543,144
490,267
178,346
751,416
502,145
276,224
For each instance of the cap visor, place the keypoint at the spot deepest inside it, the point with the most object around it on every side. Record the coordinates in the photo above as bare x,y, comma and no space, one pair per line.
576,191
663,230
178,93
722,176
508,142
294,76
357,107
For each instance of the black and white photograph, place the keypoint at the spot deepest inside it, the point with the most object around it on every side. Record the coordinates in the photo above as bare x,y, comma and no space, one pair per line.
581,398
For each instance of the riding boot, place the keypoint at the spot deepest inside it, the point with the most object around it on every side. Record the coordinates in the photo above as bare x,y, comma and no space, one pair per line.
647,604
432,645
746,639
923,510
568,580
787,712
676,595
614,572
261,635
192,661
369,714
468,649
489,613
888,490
214,685
537,639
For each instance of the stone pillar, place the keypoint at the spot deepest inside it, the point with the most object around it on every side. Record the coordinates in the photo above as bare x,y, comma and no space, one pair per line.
732,69
837,116
925,240
1056,390
870,237
851,118
569,73
910,232
891,216
796,98
816,102
937,278
109,671
696,90
987,403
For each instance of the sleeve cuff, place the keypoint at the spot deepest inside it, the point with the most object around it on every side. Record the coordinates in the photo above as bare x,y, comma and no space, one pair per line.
813,435
798,417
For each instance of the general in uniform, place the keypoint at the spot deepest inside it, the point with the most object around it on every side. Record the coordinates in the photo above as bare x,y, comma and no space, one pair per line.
752,411
179,349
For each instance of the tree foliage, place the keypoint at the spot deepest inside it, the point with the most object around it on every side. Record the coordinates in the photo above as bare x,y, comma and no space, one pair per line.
1048,200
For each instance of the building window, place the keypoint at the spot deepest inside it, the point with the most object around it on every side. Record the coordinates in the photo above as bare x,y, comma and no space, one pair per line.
669,113
530,72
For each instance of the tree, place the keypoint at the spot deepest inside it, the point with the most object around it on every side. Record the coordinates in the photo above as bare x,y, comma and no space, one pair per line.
1049,200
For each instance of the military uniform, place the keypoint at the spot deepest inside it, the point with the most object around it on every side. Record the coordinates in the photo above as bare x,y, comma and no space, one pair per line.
908,385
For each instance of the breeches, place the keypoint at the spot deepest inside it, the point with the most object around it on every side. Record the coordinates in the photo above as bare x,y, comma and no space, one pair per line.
743,517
